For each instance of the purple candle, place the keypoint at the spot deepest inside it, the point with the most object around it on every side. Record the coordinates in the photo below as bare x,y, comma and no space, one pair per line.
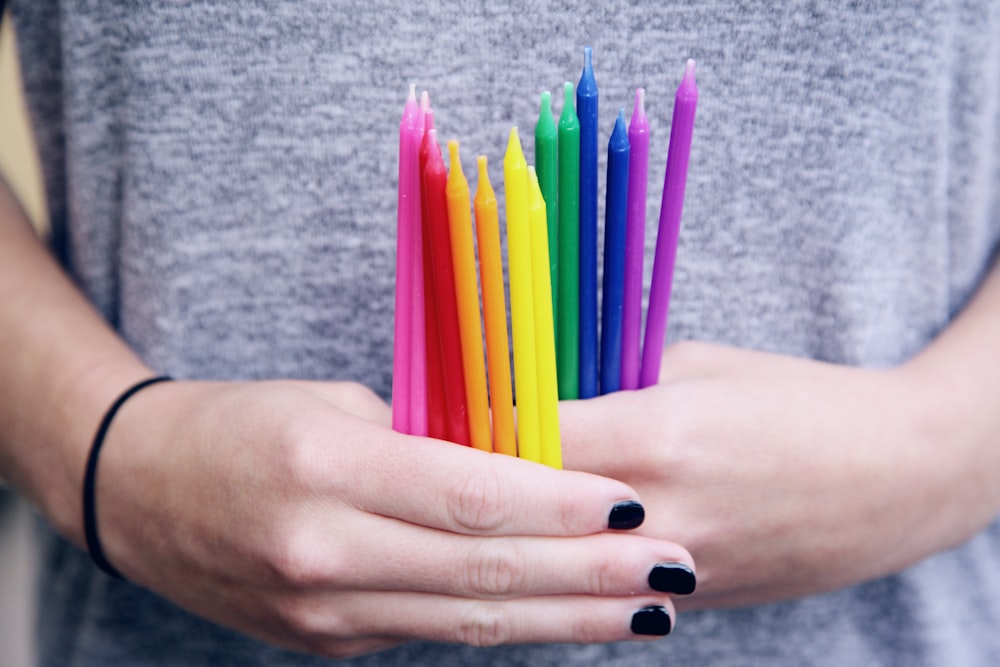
635,240
674,181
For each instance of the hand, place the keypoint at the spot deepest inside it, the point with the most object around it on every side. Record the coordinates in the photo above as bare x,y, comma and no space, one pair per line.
784,477
287,510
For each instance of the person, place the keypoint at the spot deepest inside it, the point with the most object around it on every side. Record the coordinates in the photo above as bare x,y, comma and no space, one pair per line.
822,445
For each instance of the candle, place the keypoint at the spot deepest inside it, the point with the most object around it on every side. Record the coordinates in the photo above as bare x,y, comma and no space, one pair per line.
567,299
407,218
418,325
586,110
494,313
635,235
467,294
437,426
674,182
547,165
515,172
545,344
442,274
615,212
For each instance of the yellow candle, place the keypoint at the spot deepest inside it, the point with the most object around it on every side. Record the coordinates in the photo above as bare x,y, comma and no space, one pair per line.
515,176
494,313
467,294
545,342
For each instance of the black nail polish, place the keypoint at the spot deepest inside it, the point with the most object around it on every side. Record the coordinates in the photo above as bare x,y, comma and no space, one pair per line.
652,620
676,578
626,515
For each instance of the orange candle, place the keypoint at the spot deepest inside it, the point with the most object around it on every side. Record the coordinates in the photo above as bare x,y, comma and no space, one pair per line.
494,313
467,293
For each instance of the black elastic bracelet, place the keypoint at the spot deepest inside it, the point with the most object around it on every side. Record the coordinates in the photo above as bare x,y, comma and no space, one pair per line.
90,481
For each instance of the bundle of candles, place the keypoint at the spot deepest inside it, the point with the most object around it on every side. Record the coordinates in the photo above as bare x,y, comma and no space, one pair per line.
439,385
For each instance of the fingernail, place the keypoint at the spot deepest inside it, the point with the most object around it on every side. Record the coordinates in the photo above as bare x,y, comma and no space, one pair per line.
652,620
626,515
676,578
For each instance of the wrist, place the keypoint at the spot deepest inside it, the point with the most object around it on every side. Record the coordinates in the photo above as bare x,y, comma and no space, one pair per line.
72,417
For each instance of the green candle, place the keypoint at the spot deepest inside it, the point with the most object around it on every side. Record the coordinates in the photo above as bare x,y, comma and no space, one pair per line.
547,168
567,327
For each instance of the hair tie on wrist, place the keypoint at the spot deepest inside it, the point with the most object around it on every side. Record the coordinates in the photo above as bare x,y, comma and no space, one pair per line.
89,479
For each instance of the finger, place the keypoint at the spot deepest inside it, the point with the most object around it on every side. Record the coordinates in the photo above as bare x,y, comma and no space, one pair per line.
459,489
391,555
557,619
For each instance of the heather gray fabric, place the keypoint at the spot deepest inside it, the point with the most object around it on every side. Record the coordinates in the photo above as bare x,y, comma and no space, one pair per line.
221,179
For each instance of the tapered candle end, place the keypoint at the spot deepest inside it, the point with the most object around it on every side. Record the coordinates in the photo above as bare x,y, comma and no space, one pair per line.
619,135
514,154
569,99
546,103
588,84
484,189
432,138
455,160
412,97
425,101
688,88
428,119
639,109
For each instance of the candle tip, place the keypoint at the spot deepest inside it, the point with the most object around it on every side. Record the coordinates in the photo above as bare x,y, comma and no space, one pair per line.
621,116
428,119
453,152
588,54
482,163
514,150
425,101
568,97
640,101
546,101
412,97
689,67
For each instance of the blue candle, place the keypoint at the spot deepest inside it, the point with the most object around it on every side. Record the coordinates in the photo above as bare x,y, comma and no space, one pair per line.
615,214
586,110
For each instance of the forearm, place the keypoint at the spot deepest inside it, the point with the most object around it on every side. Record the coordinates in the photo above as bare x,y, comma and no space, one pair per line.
60,368
956,384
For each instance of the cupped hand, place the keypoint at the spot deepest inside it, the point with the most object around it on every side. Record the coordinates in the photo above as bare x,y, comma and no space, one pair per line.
783,477
289,511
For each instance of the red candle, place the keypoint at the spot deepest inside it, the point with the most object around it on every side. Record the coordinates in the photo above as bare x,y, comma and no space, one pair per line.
443,276
437,426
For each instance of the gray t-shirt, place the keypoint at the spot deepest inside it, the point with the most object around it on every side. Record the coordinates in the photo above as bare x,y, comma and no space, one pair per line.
221,178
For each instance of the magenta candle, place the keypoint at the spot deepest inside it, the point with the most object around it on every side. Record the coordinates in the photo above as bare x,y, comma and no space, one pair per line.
635,241
418,328
407,225
671,206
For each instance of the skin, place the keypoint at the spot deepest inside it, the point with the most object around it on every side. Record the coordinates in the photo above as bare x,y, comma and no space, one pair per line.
783,476
787,477
289,510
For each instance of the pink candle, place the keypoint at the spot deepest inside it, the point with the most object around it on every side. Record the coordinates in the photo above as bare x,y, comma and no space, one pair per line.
635,240
672,204
407,223
418,331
